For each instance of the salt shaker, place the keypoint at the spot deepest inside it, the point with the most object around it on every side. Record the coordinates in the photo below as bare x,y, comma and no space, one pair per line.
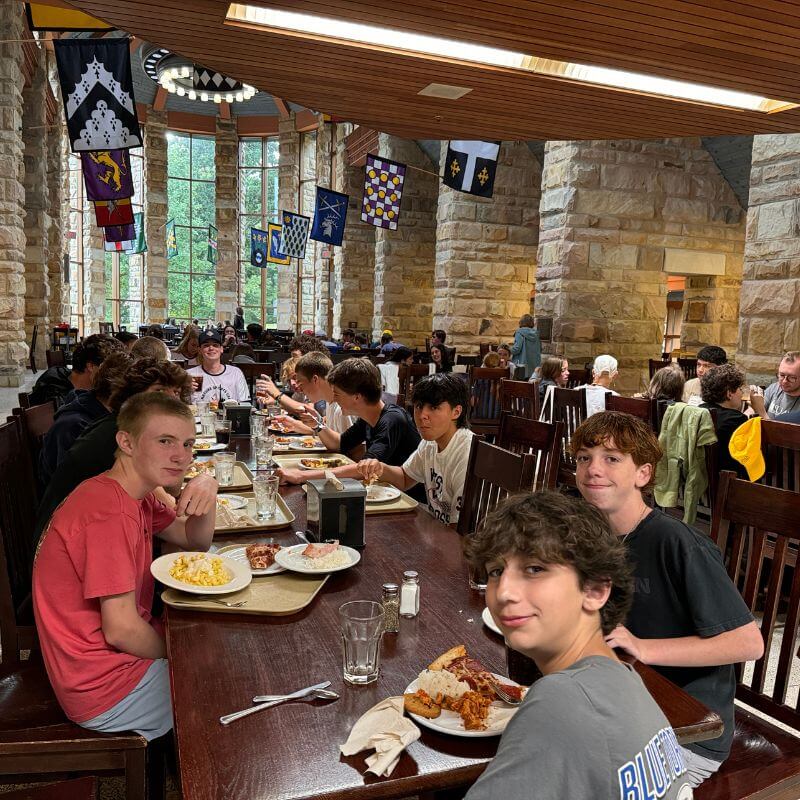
409,595
391,607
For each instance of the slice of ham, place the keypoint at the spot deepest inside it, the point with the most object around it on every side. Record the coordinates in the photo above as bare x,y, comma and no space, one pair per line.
321,549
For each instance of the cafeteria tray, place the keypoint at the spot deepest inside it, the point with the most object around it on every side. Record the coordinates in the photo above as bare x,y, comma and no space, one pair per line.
242,479
283,517
272,595
401,505
292,461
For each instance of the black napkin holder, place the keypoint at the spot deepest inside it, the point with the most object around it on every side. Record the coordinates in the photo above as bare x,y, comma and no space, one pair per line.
336,513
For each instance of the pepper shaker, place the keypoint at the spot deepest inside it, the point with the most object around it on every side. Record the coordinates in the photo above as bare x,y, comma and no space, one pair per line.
391,608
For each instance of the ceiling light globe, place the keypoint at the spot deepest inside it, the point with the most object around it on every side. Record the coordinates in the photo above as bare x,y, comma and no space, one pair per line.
192,94
217,98
204,96
239,97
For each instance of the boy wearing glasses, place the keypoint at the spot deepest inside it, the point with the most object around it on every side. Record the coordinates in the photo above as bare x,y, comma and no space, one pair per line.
783,396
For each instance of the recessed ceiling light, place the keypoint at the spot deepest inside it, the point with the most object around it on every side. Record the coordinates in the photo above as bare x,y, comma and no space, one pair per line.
444,91
480,54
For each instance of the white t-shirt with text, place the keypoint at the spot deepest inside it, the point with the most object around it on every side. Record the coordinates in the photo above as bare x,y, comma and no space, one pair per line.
230,384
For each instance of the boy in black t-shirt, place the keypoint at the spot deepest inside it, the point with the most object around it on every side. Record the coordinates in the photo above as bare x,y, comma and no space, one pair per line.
384,431
688,620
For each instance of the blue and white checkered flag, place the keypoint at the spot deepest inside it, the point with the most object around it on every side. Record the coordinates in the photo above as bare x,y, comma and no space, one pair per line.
294,234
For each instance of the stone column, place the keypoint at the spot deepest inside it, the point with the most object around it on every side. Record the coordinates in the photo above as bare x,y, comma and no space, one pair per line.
323,258
405,259
94,275
156,296
614,216
37,205
769,324
13,346
354,261
288,188
486,253
227,202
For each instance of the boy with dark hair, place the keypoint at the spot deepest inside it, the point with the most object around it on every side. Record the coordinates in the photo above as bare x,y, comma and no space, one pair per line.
558,584
687,619
722,391
383,431
708,358
92,588
440,461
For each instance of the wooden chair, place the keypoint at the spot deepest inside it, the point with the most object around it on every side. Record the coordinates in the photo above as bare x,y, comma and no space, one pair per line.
655,364
569,408
36,739
580,377
77,789
36,422
780,443
485,409
492,475
24,399
520,398
642,407
253,371
55,358
764,760
470,361
106,327
484,349
542,440
689,367
407,376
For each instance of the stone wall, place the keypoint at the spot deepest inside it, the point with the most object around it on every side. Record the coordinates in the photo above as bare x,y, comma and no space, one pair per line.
156,298
770,297
94,275
288,187
323,257
486,253
37,206
610,211
13,347
227,204
354,261
405,259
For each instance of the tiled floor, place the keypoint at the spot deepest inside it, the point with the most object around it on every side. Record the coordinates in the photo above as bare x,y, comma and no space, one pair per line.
8,397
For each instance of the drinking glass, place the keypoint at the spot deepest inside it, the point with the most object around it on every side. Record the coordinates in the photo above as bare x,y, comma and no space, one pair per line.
263,445
258,425
223,467
222,428
361,624
208,422
202,408
477,578
265,489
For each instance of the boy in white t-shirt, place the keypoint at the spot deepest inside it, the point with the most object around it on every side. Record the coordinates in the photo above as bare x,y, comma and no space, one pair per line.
440,461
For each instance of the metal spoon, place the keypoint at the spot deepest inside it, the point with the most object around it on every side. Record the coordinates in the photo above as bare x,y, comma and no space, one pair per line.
319,694
301,536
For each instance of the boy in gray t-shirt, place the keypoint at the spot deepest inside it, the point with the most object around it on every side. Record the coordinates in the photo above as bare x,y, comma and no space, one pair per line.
558,581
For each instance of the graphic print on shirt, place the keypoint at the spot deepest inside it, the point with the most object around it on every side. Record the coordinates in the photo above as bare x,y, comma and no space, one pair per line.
437,505
215,391
651,772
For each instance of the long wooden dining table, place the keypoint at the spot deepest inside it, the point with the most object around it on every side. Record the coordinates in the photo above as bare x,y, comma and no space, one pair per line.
219,661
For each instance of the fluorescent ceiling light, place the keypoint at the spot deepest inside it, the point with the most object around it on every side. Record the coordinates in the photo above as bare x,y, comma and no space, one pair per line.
376,35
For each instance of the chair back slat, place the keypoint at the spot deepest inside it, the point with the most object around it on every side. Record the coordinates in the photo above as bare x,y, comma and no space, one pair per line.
407,376
520,398
644,408
689,367
780,444
55,358
569,408
580,377
756,528
485,398
655,364
256,370
492,474
542,440
36,421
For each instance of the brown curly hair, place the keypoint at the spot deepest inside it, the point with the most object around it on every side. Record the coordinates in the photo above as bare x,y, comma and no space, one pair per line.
556,529
143,373
717,382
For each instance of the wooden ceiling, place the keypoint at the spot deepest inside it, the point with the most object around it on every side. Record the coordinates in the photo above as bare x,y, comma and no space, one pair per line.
750,45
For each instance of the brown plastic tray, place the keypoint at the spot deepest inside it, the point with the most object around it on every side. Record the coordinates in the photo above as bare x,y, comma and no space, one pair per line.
282,519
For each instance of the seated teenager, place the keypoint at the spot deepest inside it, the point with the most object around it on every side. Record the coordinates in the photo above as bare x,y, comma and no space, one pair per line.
93,451
440,461
92,589
722,391
220,381
708,358
440,358
687,619
558,584
383,431
667,385
554,371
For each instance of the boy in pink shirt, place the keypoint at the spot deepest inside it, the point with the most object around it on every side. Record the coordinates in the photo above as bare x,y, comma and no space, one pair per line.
92,588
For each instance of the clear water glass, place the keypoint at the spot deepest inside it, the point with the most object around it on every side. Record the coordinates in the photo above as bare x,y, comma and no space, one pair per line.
362,624
265,489
223,467
259,425
264,446
477,578
207,424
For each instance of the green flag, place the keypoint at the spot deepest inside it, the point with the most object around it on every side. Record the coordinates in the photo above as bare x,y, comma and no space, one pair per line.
172,241
211,254
139,243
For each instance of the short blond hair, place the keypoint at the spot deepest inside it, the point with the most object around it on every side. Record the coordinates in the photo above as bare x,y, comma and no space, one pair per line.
288,368
137,410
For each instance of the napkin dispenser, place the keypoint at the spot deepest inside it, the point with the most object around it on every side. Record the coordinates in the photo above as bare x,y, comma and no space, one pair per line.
335,513
239,416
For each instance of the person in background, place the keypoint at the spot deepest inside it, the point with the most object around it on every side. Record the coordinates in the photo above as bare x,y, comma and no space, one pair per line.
126,338
92,589
708,358
390,371
438,337
189,346
229,338
242,354
439,463
722,391
254,334
388,343
667,384
491,360
504,351
527,349
150,347
327,343
688,620
61,384
604,373
362,343
220,381
554,371
440,358
155,330
348,339
238,320
783,396
558,584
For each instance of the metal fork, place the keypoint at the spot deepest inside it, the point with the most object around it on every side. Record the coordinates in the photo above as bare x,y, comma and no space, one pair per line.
505,696
227,603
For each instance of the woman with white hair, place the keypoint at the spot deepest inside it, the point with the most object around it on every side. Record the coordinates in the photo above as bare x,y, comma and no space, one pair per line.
604,373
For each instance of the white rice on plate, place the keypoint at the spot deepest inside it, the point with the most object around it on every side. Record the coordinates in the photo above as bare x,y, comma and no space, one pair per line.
434,682
338,558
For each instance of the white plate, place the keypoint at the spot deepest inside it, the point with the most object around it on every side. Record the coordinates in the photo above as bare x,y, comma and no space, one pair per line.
208,445
450,722
380,493
488,621
238,553
303,466
240,572
234,501
284,558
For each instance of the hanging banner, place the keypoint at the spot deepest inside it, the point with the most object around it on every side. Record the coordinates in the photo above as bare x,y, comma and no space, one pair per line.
211,252
113,212
107,174
275,256
383,189
172,241
294,234
330,215
258,247
470,167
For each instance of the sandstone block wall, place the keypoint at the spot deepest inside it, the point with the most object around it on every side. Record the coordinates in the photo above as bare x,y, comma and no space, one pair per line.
486,253
288,187
770,296
226,157
156,299
405,259
323,256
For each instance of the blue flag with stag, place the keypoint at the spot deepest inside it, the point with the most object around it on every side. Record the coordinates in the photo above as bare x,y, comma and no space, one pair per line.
330,215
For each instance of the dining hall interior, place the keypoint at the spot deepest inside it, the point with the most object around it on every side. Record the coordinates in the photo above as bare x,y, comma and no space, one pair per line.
312,227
